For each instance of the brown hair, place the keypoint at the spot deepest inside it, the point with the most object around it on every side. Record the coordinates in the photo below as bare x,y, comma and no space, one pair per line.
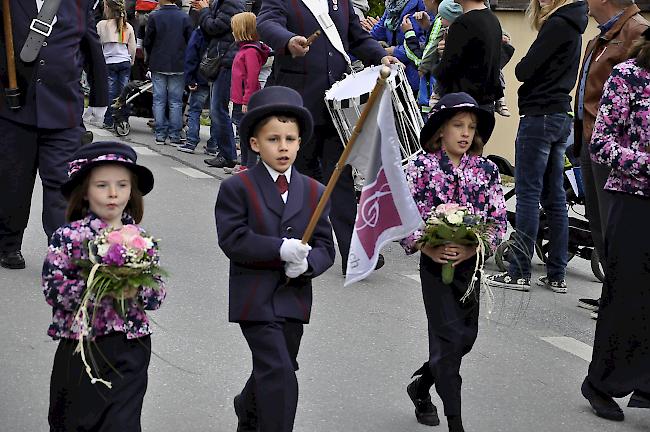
78,205
435,142
244,26
538,14
640,51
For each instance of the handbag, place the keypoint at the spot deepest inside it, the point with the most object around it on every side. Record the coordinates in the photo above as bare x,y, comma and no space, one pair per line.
209,66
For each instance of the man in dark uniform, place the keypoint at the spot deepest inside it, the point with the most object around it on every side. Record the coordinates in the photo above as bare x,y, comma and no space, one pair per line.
45,131
284,26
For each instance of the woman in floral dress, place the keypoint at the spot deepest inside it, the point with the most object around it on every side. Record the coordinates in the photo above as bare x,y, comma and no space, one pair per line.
620,363
451,171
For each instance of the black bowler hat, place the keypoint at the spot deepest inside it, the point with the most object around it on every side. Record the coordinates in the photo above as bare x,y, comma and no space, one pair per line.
448,106
276,100
101,153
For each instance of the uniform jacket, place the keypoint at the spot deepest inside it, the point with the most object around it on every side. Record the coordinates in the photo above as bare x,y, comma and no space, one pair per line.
251,221
607,50
621,136
215,23
246,71
396,38
168,31
474,184
63,286
50,88
313,74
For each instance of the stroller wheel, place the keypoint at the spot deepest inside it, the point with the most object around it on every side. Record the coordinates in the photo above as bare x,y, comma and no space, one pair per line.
122,128
501,255
541,250
596,268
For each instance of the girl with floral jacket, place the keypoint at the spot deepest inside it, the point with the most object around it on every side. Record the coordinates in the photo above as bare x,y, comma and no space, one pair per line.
104,189
451,171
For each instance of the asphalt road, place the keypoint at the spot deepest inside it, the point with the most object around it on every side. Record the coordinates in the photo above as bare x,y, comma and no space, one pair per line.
357,355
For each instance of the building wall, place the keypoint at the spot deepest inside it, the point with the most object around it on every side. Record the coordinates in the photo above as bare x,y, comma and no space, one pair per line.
502,141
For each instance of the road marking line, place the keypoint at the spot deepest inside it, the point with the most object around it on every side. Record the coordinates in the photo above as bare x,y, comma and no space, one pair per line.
573,346
415,277
102,132
191,172
145,151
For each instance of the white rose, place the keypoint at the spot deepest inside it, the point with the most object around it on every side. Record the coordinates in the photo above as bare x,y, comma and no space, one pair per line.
102,249
455,219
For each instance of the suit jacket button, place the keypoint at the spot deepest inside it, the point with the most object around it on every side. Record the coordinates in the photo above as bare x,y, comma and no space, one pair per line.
44,44
42,62
289,229
38,80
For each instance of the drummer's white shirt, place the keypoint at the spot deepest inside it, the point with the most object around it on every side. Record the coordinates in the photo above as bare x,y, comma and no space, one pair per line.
39,5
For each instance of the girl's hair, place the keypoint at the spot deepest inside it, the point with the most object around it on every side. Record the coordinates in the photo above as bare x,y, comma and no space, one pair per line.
78,205
640,51
244,26
539,14
115,10
435,143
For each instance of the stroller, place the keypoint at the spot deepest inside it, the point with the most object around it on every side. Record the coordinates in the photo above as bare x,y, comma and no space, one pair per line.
136,99
580,241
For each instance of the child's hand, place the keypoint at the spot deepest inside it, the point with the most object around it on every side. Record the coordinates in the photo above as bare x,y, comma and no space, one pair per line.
406,23
422,18
293,251
461,252
128,293
293,270
439,254
244,108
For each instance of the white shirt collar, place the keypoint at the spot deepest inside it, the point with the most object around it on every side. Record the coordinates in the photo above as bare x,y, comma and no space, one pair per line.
275,175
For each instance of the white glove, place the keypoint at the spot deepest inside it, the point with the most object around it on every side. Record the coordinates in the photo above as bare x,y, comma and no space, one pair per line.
293,270
292,250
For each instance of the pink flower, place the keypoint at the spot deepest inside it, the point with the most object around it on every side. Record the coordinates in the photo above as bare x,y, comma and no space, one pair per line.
129,231
447,208
115,237
137,242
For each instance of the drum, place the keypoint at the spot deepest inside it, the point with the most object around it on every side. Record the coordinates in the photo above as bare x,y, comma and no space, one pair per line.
346,99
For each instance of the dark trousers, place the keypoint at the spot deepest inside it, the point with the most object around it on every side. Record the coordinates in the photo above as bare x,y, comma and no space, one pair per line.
453,328
78,405
620,362
26,149
272,389
248,156
317,159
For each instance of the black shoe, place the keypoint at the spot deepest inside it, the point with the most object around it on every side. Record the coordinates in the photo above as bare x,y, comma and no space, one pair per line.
639,399
12,260
455,424
426,412
380,263
220,162
589,304
245,421
603,405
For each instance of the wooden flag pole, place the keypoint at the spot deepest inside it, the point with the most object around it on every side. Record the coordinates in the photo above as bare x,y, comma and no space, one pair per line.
384,73
12,92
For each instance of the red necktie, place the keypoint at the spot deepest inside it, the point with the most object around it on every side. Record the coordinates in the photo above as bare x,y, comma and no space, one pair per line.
282,184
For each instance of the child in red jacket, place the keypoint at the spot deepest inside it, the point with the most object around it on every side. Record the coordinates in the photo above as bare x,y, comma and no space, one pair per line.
246,68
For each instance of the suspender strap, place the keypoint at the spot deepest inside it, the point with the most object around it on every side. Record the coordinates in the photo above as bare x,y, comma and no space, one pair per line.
40,28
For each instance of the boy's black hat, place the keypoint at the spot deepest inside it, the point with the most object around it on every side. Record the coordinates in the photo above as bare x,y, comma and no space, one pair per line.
100,153
276,100
451,104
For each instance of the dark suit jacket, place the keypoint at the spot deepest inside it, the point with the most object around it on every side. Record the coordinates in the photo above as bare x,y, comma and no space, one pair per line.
51,93
168,31
251,222
313,74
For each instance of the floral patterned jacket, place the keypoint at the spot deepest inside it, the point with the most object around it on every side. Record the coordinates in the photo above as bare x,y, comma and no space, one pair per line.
63,286
474,184
621,138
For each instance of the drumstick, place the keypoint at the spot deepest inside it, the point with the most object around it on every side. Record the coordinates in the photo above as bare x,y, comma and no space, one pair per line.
310,40
12,93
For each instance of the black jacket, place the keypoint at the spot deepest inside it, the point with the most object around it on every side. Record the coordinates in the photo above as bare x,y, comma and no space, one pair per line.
215,23
549,70
168,31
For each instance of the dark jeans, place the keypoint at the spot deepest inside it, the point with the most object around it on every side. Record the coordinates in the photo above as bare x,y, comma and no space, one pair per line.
118,77
25,150
248,156
221,136
539,177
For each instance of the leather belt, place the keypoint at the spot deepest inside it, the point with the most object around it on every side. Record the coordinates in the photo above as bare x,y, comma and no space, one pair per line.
40,28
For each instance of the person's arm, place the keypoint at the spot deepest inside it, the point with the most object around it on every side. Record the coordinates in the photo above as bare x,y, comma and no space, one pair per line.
496,213
610,128
430,55
60,281
322,254
192,60
548,43
152,298
378,31
251,74
131,43
149,35
272,25
416,175
217,23
451,64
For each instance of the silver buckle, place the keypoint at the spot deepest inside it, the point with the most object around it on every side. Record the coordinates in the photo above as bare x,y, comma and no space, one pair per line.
47,25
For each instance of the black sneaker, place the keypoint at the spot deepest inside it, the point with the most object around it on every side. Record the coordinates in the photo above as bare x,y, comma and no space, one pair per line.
602,405
426,412
555,286
186,148
504,280
589,304
220,162
12,260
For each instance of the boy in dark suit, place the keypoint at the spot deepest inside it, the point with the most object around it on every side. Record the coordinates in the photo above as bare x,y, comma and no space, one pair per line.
261,214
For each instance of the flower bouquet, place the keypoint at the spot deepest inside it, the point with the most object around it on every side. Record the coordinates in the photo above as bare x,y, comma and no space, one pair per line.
451,223
120,262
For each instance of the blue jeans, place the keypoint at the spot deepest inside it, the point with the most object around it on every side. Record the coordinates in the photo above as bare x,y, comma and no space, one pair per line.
168,90
118,77
221,136
539,177
195,106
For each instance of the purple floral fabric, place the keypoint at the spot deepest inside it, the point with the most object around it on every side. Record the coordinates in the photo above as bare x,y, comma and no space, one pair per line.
474,184
63,287
621,137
